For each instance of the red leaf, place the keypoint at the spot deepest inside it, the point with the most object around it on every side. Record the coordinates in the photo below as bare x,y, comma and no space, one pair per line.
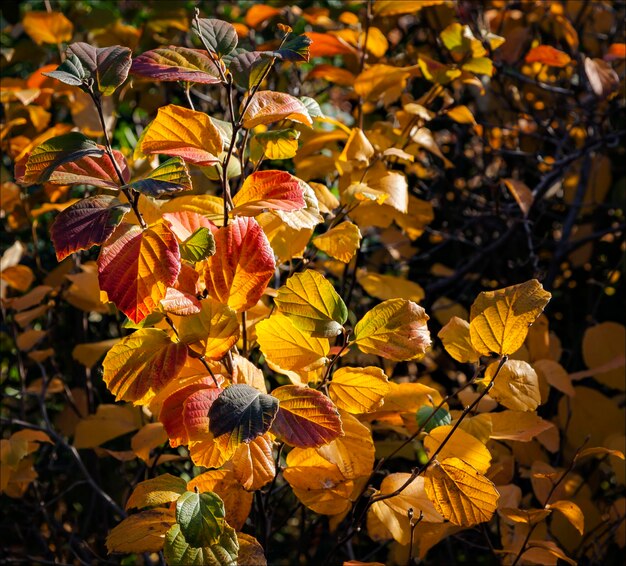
276,190
196,412
137,266
171,414
95,172
242,266
87,223
184,223
547,55
176,64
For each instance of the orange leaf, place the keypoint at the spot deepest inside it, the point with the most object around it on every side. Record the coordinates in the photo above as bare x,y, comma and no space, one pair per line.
242,266
268,106
180,132
47,27
276,190
253,463
141,364
137,266
521,193
326,45
259,13
547,55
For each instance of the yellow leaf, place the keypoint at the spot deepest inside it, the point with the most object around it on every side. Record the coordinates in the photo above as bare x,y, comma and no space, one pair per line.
156,491
394,512
555,374
146,439
268,106
289,347
287,242
572,513
420,214
353,453
89,354
358,149
396,7
142,532
479,65
382,81
340,242
424,138
211,332
358,390
396,329
47,27
109,421
461,114
602,344
460,493
521,193
253,463
385,287
208,205
178,131
499,320
516,385
460,445
455,336
517,425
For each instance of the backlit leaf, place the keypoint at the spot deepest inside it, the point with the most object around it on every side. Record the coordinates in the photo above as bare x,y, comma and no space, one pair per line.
87,223
253,463
141,532
307,217
211,332
176,64
340,242
455,336
217,35
47,27
199,246
358,390
142,363
268,106
177,549
396,329
396,7
521,193
499,320
312,304
49,155
603,344
516,386
547,55
306,418
326,45
460,445
427,421
517,425
136,266
259,13
180,132
271,189
277,144
242,266
289,347
168,177
461,494
385,287
95,171
242,413
156,491
201,517
572,513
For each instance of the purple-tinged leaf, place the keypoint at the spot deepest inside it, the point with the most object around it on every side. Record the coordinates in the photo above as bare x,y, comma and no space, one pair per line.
296,49
97,172
70,72
247,67
176,64
87,223
107,66
168,177
219,36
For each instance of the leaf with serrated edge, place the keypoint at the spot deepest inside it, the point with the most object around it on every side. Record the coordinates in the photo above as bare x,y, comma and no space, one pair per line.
176,64
499,320
461,494
311,303
358,390
201,517
217,35
242,266
276,190
138,366
268,106
87,223
178,551
306,418
156,491
396,329
180,132
169,177
107,66
253,463
95,171
516,385
340,242
141,532
137,266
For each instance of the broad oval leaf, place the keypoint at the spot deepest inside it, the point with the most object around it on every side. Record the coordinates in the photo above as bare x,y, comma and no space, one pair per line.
455,336
499,320
47,27
219,36
199,246
516,385
156,491
247,67
87,223
180,132
95,171
306,418
253,463
70,72
358,390
385,287
396,329
178,550
311,303
268,106
141,364
275,190
242,266
141,532
547,55
461,445
460,493
169,177
137,266
201,517
288,347
176,64
211,332
54,152
275,144
242,412
340,242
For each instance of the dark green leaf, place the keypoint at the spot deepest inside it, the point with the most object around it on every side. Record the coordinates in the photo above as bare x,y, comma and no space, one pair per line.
201,517
248,67
70,72
107,66
178,551
296,49
440,418
219,36
168,177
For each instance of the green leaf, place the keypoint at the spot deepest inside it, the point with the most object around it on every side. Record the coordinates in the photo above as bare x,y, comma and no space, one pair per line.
52,153
312,304
177,549
243,412
217,35
277,144
296,49
199,246
201,517
440,418
168,177
247,67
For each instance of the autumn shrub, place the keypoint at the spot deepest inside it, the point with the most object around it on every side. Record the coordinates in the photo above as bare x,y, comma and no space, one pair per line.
274,281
